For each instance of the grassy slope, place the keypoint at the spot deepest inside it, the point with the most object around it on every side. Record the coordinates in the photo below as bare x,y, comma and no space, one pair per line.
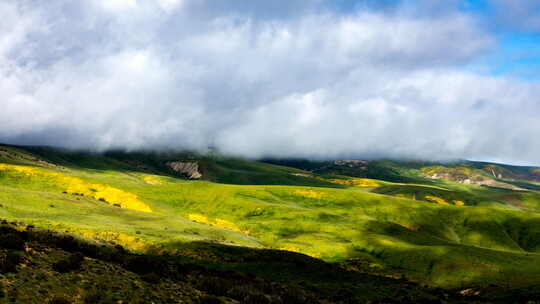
242,172
441,244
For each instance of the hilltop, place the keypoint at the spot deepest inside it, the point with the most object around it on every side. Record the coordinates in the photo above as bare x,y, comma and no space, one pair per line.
470,228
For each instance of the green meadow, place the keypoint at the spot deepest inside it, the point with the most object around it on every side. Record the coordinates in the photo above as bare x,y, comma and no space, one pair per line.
440,233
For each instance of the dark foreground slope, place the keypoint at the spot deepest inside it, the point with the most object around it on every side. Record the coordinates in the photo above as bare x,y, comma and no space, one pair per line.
40,266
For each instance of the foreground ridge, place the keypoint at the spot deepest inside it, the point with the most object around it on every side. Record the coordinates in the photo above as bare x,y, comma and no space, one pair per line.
41,266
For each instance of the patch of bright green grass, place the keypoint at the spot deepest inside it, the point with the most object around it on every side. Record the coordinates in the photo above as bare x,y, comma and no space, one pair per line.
444,245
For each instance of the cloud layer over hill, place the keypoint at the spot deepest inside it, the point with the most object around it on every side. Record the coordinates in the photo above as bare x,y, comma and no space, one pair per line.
280,78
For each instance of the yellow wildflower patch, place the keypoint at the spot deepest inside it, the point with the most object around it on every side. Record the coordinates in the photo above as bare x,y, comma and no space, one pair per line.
27,171
446,170
123,239
75,185
459,203
152,180
201,219
358,182
437,200
120,238
309,193
431,170
108,194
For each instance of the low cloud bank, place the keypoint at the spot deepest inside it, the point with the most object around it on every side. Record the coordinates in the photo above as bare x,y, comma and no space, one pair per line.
299,79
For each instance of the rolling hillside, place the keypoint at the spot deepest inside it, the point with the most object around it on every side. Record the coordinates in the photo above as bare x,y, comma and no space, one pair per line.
453,226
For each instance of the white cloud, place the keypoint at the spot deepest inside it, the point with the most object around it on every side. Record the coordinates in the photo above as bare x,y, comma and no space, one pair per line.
170,5
118,5
15,25
310,83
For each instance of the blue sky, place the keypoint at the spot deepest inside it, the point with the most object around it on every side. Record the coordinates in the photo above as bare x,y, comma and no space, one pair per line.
518,48
477,6
518,55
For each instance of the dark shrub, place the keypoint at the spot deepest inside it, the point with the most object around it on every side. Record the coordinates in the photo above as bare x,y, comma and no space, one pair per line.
73,262
76,258
140,265
211,300
62,266
12,241
249,294
96,297
6,228
59,300
259,299
151,278
117,256
120,249
342,295
68,243
10,261
215,286
88,249
299,296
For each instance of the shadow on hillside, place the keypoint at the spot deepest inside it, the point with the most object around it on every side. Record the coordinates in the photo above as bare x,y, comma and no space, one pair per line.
243,274
451,264
329,281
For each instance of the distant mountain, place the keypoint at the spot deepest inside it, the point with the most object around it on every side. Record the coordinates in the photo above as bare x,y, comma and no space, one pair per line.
467,172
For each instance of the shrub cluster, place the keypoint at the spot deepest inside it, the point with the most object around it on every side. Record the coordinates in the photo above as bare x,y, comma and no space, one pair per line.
72,263
12,241
9,262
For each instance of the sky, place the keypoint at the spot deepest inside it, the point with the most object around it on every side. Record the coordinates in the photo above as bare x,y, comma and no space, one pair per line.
420,79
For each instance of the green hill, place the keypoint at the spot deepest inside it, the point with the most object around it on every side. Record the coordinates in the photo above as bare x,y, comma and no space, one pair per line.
440,231
212,167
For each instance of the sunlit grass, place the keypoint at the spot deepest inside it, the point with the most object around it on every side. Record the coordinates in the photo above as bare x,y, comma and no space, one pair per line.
446,244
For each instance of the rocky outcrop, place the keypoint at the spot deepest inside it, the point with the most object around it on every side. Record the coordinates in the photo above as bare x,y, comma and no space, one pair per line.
467,177
189,169
302,175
